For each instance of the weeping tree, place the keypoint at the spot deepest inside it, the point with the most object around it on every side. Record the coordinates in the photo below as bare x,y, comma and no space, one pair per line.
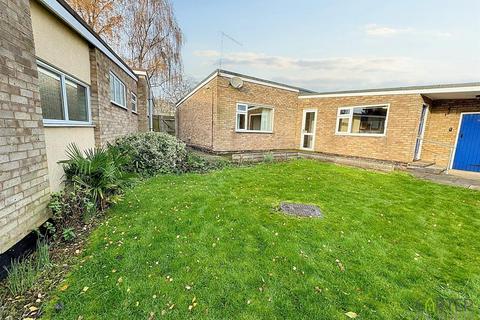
144,32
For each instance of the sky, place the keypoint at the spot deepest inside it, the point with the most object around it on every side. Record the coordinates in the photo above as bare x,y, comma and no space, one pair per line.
326,45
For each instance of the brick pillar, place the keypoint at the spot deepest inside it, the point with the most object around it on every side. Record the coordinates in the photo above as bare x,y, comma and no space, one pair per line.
142,103
24,188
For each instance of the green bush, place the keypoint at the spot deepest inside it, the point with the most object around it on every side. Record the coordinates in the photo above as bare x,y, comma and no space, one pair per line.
197,163
152,153
97,173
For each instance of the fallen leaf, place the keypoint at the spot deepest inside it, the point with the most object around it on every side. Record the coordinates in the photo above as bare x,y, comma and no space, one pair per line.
351,314
64,287
85,289
33,308
340,265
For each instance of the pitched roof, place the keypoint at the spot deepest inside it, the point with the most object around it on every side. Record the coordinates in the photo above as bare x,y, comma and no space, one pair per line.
226,73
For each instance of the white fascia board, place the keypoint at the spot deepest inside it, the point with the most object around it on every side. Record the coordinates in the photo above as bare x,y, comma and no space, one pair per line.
70,20
395,92
227,75
198,87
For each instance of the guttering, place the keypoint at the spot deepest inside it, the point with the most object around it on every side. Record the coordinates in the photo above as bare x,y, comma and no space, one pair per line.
73,21
404,91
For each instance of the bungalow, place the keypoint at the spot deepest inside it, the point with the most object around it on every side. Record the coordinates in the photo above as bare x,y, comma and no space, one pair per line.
438,124
60,83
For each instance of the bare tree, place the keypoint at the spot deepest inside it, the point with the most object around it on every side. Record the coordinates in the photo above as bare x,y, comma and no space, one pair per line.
103,16
169,93
144,32
154,39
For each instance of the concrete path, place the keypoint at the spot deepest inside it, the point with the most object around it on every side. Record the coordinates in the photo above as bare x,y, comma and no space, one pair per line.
450,179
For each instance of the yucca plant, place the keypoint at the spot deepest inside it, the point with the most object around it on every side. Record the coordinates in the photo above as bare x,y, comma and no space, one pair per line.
98,171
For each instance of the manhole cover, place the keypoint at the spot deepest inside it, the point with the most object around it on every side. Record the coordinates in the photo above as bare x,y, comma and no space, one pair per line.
301,210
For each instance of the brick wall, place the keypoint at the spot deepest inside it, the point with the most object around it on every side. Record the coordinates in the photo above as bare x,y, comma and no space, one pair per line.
23,163
442,127
397,145
284,103
194,117
142,103
111,121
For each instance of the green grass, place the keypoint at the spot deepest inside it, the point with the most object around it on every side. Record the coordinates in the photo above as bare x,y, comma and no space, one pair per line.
409,248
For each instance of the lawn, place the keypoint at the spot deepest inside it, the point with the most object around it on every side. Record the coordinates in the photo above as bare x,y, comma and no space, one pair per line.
214,246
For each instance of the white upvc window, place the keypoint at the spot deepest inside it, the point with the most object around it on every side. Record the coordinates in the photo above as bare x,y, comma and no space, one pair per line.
117,91
254,118
134,102
368,120
64,99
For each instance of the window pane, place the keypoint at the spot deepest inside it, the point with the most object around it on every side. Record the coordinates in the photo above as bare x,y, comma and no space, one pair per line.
343,125
344,111
50,95
134,102
242,107
369,120
309,122
307,141
241,125
76,101
260,118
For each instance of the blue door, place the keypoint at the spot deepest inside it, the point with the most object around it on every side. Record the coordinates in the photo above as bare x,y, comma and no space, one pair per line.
467,154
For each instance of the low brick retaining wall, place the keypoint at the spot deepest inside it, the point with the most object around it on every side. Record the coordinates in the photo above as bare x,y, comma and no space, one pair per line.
288,155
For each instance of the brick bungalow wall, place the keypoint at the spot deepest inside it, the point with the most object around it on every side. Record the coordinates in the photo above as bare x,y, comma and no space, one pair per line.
24,190
284,103
442,127
397,145
111,121
194,118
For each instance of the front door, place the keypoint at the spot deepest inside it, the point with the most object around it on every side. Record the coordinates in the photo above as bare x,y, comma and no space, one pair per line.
467,151
309,122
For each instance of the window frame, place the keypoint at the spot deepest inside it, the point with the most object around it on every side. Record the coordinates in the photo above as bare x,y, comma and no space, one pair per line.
350,120
63,77
247,118
124,106
134,102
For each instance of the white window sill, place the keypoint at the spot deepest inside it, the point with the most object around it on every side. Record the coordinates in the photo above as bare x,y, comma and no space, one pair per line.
135,112
253,131
67,124
118,105
360,134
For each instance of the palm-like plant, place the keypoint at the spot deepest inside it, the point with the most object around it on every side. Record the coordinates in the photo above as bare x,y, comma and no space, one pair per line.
98,171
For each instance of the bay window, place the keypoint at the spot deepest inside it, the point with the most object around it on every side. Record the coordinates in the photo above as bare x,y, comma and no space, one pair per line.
64,99
254,118
362,120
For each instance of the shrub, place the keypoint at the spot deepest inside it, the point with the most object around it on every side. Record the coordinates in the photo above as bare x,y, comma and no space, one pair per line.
72,204
98,173
197,163
152,153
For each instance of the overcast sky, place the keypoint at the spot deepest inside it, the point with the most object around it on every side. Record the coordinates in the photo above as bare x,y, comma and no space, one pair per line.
337,44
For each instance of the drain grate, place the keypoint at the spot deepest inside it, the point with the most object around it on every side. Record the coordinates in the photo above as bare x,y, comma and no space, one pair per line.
301,210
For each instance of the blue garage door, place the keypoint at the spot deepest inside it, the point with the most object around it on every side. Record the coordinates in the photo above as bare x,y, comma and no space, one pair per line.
467,155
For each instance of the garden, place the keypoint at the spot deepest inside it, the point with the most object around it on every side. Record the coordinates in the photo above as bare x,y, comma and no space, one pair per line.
191,237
